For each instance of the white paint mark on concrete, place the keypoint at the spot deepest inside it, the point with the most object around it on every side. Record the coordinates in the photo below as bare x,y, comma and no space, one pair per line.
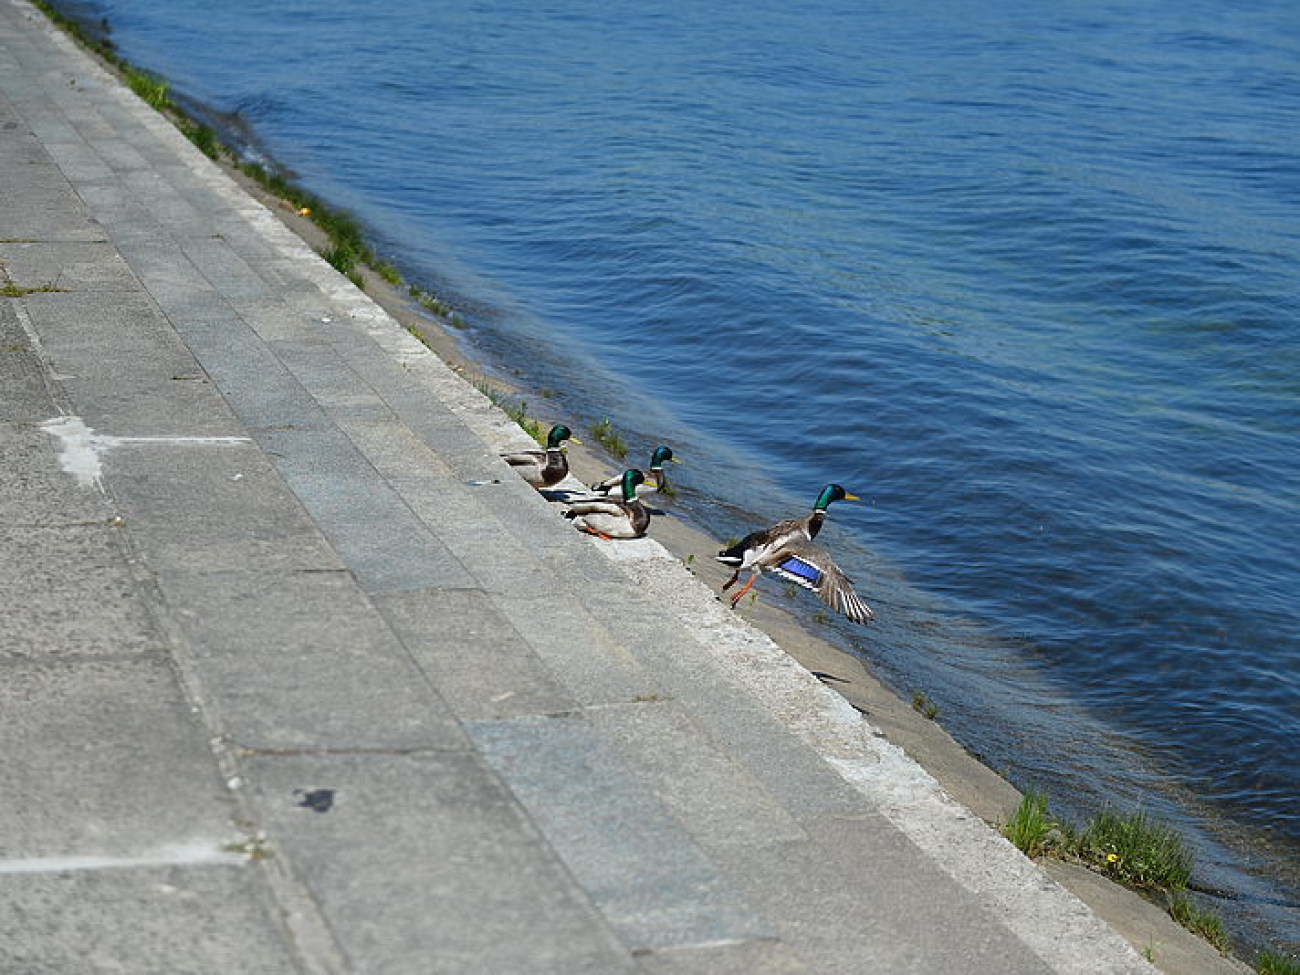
179,854
81,449
78,451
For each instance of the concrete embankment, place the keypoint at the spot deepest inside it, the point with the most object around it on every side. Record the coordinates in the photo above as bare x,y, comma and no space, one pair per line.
299,677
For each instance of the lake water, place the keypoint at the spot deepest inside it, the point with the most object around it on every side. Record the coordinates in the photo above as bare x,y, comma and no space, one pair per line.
1025,276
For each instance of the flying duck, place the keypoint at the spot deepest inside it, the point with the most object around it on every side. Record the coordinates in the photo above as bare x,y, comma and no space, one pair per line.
786,549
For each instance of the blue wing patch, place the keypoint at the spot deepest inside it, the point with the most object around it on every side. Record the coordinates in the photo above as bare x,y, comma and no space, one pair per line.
800,571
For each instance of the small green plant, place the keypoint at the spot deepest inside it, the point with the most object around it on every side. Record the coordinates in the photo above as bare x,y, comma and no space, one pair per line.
154,91
608,437
342,258
255,847
202,136
1137,850
347,241
1199,921
1149,952
1273,963
387,273
11,290
1031,826
518,413
430,302
924,706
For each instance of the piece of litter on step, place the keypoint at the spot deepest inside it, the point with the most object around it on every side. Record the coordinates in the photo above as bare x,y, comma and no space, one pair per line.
503,697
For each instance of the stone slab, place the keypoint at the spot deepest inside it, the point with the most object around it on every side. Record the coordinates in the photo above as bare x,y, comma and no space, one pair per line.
298,660
68,591
213,507
384,545
73,266
584,657
766,957
107,334
425,865
104,757
688,672
34,490
27,393
225,270
482,666
252,380
718,800
641,868
179,920
860,896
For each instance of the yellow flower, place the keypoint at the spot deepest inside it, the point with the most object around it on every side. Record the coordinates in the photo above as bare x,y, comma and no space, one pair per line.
305,212
1112,858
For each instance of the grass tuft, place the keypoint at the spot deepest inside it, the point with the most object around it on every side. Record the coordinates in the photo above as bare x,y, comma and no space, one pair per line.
153,90
1273,963
605,435
924,706
1137,850
1199,921
516,411
11,290
1031,827
203,137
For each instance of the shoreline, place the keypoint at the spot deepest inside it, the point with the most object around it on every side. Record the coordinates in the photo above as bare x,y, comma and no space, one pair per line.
961,775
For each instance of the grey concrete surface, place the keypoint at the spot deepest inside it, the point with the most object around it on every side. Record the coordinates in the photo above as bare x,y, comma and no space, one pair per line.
299,677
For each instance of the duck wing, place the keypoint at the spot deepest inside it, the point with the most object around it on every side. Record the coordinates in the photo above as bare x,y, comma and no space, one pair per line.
613,519
525,458
811,566
762,546
609,486
612,487
594,506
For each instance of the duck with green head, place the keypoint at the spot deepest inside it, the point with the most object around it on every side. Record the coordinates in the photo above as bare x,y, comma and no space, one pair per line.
544,468
624,517
657,480
787,550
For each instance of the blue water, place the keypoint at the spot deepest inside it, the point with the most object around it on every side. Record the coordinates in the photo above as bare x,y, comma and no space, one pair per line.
1025,276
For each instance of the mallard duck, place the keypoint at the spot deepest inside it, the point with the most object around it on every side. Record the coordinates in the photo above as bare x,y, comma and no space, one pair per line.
655,482
787,550
544,468
607,518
